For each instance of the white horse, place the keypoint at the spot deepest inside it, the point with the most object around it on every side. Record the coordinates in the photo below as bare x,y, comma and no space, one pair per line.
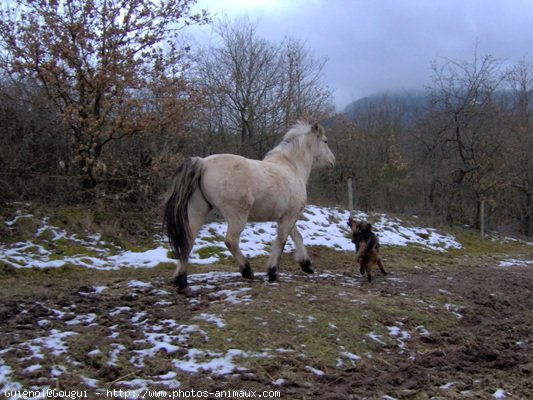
273,189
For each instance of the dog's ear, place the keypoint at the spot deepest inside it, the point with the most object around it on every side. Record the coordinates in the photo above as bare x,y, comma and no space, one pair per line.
365,227
350,222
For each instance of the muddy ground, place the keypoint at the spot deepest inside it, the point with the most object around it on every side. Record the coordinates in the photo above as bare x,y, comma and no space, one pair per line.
440,326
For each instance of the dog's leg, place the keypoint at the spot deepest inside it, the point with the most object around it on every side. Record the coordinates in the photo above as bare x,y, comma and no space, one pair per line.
360,258
368,267
381,267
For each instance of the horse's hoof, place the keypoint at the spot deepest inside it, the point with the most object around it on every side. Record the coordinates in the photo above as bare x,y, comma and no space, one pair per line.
186,291
181,282
272,273
306,266
247,272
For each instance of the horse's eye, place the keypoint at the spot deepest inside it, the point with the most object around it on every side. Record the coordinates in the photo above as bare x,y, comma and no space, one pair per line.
326,141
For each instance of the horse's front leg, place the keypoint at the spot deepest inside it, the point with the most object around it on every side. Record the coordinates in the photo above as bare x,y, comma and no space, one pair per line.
284,228
300,253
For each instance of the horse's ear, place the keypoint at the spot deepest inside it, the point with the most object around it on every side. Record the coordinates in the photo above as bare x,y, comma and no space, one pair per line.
316,127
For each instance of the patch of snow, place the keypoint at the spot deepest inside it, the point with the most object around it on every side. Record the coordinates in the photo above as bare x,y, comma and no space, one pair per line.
454,310
314,370
82,319
147,259
319,227
214,362
138,284
89,382
350,356
236,296
211,318
57,370
515,263
401,335
33,368
55,342
118,310
376,338
422,331
447,386
18,216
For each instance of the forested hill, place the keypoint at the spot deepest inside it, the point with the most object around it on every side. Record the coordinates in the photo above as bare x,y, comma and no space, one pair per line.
445,151
412,103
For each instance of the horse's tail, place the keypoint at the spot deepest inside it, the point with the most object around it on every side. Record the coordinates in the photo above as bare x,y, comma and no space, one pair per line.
185,181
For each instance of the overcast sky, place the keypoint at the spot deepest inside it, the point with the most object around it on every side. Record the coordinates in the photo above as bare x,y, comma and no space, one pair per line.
377,45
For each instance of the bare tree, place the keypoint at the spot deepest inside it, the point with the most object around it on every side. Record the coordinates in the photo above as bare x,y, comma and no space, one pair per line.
305,92
518,166
462,142
256,88
112,69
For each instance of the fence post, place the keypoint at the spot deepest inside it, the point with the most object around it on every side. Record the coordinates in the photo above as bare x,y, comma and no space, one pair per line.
482,219
350,196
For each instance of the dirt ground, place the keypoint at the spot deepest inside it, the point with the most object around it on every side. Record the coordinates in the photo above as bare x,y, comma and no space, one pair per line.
438,327
490,347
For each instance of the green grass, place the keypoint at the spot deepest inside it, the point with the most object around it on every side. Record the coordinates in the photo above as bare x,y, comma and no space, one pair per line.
209,251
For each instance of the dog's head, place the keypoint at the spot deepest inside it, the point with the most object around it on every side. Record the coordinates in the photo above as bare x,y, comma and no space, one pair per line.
358,227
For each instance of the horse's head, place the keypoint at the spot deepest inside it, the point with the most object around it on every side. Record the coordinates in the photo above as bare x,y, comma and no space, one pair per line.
322,153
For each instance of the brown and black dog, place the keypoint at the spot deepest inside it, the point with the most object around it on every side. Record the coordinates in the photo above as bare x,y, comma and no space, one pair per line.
366,247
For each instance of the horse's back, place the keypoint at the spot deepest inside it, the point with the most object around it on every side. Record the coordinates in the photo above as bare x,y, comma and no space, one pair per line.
229,174
240,186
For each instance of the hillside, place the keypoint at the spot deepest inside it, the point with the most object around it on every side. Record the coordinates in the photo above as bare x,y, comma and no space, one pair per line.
49,245
412,104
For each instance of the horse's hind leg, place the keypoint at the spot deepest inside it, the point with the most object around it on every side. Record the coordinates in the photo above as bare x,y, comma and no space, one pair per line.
300,253
284,228
233,237
198,210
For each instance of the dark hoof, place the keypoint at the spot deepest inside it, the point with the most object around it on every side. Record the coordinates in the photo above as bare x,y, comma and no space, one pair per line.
181,282
306,266
273,274
362,270
247,272
186,291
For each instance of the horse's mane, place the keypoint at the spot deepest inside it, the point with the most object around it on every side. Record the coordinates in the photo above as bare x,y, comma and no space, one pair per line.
292,139
298,129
